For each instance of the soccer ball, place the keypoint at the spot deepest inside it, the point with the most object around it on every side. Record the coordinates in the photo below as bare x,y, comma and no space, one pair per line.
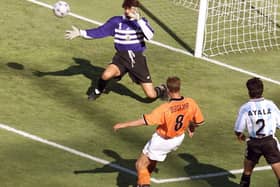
61,9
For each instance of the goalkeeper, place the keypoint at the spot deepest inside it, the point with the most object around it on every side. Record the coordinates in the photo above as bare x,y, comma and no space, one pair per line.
129,32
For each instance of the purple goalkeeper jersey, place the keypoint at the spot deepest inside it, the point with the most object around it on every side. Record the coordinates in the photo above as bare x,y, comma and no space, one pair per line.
128,34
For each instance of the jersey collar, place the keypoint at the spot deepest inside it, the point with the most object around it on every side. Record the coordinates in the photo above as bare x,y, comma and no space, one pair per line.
177,99
257,99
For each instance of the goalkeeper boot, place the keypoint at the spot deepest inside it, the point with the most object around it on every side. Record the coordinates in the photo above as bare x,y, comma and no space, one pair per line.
93,94
162,92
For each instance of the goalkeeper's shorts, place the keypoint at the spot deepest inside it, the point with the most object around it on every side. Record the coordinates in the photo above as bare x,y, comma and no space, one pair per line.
133,63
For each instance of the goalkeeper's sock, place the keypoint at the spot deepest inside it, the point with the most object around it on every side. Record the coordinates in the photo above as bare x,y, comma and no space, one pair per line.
102,84
245,180
93,93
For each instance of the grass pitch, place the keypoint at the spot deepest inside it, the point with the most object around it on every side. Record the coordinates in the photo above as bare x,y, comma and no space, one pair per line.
43,81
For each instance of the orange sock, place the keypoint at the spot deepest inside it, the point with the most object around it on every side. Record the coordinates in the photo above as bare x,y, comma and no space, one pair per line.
143,176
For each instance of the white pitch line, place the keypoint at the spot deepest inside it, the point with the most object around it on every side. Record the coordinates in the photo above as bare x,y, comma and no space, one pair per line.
67,149
70,150
71,14
209,175
170,47
41,4
118,167
125,169
240,70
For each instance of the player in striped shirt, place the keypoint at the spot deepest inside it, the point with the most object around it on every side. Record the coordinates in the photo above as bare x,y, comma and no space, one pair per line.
261,118
173,119
129,32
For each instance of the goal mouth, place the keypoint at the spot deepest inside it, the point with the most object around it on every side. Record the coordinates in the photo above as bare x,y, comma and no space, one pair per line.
236,26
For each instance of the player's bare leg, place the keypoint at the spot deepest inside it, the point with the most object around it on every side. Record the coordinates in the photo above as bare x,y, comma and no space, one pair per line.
248,166
142,169
246,176
110,72
154,92
149,90
276,169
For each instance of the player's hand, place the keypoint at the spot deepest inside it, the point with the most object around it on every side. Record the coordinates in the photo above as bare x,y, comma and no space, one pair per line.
134,15
71,34
191,133
192,127
241,138
117,127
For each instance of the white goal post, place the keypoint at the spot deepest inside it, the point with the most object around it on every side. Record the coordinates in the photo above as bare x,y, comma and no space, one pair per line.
236,26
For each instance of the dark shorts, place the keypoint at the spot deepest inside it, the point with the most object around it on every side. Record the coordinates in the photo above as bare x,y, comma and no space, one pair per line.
135,65
267,147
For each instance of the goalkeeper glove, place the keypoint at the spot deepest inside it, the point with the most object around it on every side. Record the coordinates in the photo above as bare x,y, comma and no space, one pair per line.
71,34
134,15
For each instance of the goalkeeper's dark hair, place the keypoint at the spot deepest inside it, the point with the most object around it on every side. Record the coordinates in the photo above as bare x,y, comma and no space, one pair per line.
173,84
130,3
255,87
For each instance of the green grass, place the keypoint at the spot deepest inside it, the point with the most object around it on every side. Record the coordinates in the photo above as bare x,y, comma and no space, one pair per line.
54,105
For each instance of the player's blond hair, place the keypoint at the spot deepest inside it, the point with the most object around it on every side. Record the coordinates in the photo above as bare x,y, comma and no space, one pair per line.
173,84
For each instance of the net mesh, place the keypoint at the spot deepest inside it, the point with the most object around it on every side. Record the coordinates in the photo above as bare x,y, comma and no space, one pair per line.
236,26
191,4
241,26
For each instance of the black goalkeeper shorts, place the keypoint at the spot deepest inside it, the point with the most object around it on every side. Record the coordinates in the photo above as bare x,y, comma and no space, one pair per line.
134,64
267,147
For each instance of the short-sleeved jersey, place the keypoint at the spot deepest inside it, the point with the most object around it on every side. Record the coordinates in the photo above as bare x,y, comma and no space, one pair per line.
260,116
174,117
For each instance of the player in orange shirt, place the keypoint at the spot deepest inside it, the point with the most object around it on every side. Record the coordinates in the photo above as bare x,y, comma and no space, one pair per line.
173,118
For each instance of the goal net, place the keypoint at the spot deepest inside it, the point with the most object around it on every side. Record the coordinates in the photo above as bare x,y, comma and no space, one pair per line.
227,26
191,4
215,27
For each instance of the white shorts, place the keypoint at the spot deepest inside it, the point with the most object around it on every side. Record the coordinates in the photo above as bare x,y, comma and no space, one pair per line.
158,148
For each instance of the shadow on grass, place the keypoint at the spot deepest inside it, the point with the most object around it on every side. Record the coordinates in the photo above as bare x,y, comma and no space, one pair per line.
84,67
167,29
123,179
15,65
213,175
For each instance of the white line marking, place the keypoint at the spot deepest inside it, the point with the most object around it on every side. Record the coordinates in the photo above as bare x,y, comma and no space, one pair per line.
70,150
125,169
240,70
115,166
67,149
169,47
41,4
70,14
204,176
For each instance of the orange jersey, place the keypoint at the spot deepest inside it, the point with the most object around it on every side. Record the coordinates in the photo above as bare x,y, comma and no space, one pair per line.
174,117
